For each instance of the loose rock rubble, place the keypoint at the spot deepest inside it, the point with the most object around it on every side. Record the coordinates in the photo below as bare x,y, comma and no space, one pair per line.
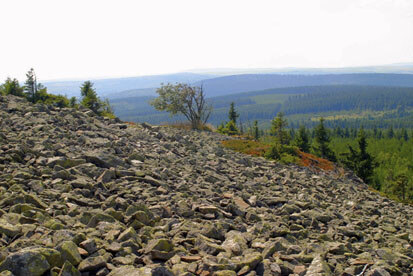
85,195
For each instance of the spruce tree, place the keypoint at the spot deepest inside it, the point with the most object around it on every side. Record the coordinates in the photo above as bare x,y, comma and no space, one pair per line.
359,160
390,132
404,134
256,131
232,114
322,140
30,86
89,97
302,140
278,125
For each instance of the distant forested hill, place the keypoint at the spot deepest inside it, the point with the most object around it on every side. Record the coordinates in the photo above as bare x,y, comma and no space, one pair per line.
105,87
227,85
253,82
351,105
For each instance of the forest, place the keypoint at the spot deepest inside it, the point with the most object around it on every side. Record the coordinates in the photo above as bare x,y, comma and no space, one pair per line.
341,105
382,158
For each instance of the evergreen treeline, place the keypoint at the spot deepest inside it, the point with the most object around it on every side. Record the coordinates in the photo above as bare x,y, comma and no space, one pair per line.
35,92
383,158
350,98
355,106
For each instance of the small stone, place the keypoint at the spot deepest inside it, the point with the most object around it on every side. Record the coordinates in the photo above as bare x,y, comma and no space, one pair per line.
378,272
89,245
129,233
190,259
9,229
225,273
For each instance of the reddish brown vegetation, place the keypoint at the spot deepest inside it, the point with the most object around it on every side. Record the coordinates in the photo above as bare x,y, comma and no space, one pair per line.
314,162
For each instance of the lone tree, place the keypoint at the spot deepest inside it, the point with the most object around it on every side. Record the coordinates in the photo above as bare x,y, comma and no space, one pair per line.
322,140
91,100
232,114
184,99
256,131
30,86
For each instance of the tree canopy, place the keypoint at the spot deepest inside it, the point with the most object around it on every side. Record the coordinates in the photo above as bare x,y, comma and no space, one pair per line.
183,99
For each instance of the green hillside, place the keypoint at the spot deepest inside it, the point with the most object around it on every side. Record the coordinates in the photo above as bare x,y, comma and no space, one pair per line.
341,105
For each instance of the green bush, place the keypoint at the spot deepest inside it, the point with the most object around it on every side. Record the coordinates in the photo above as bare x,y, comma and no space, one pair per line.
283,153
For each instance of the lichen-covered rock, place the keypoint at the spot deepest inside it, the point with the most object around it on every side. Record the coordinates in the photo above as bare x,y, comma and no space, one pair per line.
69,252
225,273
9,229
69,270
92,264
235,243
318,267
83,192
160,249
26,262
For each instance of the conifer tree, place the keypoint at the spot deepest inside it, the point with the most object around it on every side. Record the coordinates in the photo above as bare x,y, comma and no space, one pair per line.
256,131
231,128
390,132
278,125
91,100
359,160
400,185
89,97
322,140
73,102
404,134
31,86
302,140
232,114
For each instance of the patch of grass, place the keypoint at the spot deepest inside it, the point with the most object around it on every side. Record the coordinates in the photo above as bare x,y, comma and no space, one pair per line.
390,196
257,148
250,147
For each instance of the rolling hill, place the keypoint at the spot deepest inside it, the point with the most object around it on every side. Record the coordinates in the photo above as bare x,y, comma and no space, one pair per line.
105,87
340,104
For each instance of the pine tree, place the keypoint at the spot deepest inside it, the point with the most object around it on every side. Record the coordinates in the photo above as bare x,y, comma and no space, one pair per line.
322,140
390,132
278,125
256,131
302,140
399,186
73,102
241,128
89,97
31,86
231,128
359,160
404,134
232,114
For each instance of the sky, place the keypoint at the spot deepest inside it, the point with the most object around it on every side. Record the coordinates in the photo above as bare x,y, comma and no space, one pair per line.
71,39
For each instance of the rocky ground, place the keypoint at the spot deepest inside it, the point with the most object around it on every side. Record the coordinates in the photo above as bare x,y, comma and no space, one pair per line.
84,195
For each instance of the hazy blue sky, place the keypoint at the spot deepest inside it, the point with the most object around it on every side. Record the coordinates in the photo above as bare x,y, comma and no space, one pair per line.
98,38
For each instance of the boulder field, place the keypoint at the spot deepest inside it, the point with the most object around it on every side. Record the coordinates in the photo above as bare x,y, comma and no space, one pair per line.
86,195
